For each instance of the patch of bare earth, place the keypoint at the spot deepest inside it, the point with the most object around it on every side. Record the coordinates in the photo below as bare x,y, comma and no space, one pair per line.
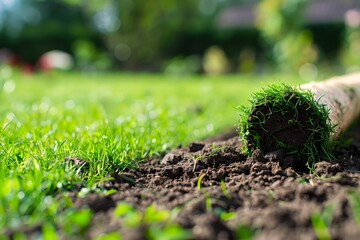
265,191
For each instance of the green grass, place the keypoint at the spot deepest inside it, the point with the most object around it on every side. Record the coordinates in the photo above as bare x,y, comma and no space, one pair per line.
113,121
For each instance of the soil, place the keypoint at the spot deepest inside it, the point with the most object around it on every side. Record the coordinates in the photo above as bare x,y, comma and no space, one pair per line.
274,199
268,197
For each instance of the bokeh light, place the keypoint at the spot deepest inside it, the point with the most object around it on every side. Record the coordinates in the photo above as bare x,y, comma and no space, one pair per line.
122,52
352,18
308,72
106,20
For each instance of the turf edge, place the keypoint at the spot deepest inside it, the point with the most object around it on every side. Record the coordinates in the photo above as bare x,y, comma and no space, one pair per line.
282,117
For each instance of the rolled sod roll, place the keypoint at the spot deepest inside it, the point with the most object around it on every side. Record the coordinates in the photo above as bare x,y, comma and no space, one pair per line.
303,121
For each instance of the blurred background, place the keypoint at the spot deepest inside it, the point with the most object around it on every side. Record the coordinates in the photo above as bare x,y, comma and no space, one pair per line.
181,37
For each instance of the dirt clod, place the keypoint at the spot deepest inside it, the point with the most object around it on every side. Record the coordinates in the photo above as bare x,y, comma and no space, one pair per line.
196,146
275,155
326,168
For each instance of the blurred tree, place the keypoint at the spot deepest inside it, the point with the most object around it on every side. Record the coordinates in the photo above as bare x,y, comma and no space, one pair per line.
141,33
280,22
146,32
135,34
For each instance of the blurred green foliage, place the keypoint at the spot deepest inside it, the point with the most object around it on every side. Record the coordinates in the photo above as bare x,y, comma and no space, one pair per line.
157,223
350,56
130,34
143,35
152,29
172,36
51,25
280,22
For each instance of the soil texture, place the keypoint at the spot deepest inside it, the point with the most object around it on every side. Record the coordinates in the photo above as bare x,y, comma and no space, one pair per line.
266,195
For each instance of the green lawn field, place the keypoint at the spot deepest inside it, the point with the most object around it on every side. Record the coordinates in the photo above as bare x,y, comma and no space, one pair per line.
112,121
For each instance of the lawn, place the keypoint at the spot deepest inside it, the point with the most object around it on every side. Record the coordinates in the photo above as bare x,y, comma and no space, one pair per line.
111,122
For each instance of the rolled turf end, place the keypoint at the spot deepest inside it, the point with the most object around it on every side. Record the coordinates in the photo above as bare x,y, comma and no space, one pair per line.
285,118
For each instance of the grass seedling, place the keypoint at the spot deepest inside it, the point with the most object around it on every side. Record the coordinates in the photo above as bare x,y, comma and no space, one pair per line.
199,182
321,222
208,201
227,216
245,232
224,190
321,229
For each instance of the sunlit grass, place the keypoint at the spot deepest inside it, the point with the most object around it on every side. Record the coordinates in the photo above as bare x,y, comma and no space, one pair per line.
111,121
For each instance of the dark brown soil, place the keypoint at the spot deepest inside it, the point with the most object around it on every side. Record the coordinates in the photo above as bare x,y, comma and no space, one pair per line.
272,198
277,127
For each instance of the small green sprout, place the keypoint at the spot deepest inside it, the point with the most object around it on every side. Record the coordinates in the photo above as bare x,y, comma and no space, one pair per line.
76,222
208,201
200,180
320,227
224,190
168,232
132,217
158,223
153,215
322,221
226,216
245,232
